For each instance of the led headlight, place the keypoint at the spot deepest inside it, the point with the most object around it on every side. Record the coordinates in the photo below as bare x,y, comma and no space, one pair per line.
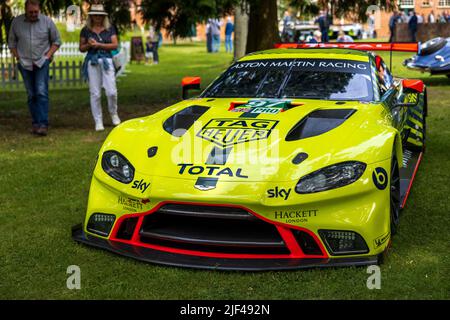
331,177
101,223
343,242
117,166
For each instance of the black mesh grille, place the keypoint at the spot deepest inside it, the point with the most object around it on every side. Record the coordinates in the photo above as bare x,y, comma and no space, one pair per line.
126,229
211,229
307,243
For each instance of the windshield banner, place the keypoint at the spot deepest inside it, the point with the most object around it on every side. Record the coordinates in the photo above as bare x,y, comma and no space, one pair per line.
325,65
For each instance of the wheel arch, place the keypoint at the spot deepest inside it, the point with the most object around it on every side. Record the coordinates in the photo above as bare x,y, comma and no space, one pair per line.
398,147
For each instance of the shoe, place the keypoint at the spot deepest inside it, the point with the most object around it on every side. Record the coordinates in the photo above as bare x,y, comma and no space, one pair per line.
43,131
99,127
115,119
34,130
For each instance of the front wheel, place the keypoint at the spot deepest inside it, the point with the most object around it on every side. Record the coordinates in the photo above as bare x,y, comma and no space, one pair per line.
394,194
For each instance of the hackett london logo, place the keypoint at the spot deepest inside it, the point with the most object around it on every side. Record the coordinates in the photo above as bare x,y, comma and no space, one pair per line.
130,204
295,214
228,132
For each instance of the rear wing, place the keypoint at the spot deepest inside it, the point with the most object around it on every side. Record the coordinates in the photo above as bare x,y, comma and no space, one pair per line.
364,46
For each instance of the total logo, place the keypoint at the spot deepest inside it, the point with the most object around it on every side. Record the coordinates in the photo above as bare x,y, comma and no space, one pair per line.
141,185
279,193
216,171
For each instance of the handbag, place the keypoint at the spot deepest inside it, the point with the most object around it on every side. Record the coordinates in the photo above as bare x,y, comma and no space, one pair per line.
118,59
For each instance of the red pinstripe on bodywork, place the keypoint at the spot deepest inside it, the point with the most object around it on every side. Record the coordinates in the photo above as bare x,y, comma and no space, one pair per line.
283,229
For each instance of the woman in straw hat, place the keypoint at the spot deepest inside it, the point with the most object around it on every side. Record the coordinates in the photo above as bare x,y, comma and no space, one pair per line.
98,38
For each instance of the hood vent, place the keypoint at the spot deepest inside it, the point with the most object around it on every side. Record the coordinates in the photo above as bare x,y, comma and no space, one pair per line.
180,122
319,122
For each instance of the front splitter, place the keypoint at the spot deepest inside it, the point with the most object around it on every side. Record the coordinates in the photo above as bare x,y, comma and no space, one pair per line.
190,261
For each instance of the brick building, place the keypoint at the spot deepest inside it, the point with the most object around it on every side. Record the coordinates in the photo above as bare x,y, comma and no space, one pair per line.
423,8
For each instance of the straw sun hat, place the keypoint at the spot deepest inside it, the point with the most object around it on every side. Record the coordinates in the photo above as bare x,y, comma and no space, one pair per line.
97,10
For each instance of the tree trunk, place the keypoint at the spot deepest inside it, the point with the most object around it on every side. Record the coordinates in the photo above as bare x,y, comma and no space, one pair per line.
5,23
240,31
263,25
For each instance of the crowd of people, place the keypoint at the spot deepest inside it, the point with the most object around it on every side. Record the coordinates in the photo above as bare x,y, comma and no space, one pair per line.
98,39
430,18
213,32
324,22
413,20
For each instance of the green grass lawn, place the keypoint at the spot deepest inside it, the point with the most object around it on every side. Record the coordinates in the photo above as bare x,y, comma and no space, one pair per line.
44,184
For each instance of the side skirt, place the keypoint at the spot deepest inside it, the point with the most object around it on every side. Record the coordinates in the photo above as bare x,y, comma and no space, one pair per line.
411,162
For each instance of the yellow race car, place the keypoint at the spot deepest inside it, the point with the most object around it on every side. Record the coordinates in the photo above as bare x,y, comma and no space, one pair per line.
292,158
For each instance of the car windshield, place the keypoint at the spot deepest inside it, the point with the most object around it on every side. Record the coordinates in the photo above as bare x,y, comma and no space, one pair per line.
325,79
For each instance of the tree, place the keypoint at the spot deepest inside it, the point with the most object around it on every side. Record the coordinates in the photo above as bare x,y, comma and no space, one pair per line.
119,13
178,16
6,16
240,29
305,7
55,6
5,21
263,25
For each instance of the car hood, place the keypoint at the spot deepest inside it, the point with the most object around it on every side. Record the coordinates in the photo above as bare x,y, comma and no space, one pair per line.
234,146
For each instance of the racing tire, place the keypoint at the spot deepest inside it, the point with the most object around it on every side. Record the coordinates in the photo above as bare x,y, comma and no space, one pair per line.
432,46
394,194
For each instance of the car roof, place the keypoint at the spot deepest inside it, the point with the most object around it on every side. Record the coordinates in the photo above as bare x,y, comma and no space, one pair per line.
320,53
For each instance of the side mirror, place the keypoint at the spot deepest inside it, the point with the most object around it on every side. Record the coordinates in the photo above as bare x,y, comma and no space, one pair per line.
190,83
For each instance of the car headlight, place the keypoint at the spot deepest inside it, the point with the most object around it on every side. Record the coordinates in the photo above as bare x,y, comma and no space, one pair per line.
331,177
117,166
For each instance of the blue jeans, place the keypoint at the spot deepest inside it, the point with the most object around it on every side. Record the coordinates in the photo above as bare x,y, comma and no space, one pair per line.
36,84
325,37
209,42
413,33
155,52
228,43
215,42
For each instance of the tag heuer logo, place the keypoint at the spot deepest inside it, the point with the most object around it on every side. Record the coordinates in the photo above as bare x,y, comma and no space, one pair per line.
227,132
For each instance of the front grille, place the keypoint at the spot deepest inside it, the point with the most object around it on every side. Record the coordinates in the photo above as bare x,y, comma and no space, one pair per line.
211,229
126,229
206,212
307,243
